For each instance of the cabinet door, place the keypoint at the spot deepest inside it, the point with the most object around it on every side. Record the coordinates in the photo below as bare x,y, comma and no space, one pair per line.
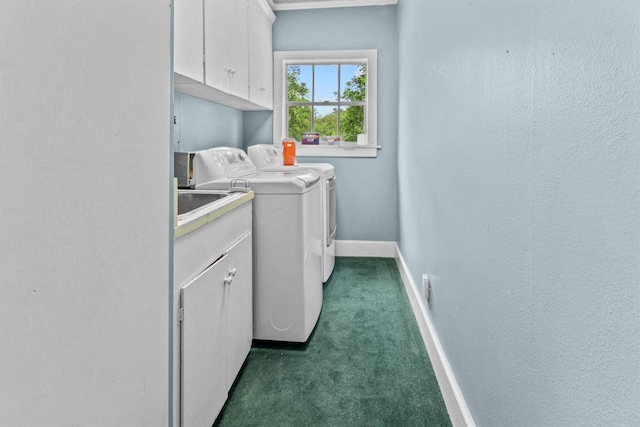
203,352
260,55
188,44
239,50
239,305
226,46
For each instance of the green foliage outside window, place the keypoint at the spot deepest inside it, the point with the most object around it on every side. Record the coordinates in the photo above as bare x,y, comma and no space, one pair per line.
299,116
325,119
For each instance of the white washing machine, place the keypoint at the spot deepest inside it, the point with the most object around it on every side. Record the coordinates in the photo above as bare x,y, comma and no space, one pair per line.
287,250
269,157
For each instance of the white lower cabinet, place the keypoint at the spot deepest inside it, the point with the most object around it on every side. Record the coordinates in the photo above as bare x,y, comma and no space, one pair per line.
203,351
216,332
239,305
214,313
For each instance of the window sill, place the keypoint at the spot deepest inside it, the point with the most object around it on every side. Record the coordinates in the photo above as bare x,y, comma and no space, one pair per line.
337,150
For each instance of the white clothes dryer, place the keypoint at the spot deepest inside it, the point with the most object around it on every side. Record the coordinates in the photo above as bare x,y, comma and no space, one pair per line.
269,157
287,250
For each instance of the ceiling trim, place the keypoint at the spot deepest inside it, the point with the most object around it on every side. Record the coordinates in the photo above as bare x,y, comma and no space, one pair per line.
323,4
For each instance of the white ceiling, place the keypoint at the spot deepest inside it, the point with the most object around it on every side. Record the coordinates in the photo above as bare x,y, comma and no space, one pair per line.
319,4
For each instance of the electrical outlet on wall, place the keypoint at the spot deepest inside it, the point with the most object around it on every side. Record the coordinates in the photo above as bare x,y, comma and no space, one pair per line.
426,287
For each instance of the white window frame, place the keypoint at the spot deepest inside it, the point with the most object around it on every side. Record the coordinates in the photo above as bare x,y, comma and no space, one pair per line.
281,61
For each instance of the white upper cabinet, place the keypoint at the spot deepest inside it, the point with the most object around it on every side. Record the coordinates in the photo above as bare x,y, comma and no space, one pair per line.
234,41
188,39
226,46
260,54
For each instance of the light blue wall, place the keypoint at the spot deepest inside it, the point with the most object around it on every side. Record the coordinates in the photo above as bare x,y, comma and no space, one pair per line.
519,194
366,188
203,124
258,127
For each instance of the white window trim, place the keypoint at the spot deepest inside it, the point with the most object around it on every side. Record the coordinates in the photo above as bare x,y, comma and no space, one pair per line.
316,4
282,59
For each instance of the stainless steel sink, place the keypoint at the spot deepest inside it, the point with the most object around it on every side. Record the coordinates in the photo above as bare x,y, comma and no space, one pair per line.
191,200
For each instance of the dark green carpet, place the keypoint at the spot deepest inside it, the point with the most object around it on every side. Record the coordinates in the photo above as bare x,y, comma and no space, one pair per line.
364,365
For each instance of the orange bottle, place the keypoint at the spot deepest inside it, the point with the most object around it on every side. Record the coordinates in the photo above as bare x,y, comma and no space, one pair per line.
289,152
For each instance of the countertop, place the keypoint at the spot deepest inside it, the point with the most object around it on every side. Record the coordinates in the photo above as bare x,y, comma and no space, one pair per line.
191,221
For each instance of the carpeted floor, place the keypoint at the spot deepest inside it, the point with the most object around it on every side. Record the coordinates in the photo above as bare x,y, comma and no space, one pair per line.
364,365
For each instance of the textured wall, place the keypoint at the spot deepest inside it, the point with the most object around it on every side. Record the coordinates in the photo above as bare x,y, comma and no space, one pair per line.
85,163
366,188
519,193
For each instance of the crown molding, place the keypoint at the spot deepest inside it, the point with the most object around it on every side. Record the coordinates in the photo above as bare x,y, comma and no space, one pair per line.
317,4
267,7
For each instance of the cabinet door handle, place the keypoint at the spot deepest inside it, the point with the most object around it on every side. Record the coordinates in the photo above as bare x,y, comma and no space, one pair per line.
230,276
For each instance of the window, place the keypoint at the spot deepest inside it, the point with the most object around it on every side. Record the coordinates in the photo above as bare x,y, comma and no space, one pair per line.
326,101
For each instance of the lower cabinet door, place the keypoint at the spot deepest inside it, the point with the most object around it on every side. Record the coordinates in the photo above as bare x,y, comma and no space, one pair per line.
203,362
240,306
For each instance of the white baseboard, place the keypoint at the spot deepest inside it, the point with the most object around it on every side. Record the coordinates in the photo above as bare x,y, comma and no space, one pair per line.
365,248
453,398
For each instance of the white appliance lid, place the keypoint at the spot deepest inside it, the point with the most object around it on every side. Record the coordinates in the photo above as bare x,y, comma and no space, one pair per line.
268,157
268,182
323,169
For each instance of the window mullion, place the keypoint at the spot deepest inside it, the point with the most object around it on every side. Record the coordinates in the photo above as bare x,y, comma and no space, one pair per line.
313,95
339,101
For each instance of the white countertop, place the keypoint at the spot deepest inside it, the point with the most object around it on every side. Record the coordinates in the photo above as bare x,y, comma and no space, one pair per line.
191,221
